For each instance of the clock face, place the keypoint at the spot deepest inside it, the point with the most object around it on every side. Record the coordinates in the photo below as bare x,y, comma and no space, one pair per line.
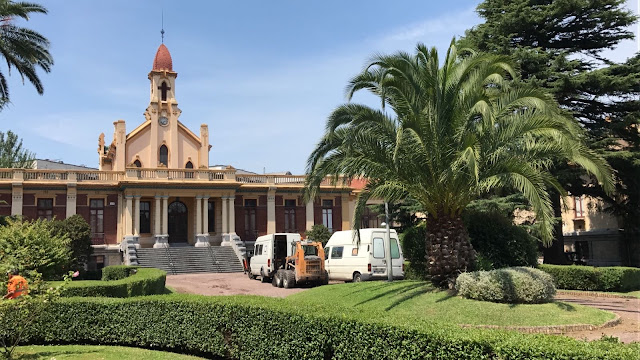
163,120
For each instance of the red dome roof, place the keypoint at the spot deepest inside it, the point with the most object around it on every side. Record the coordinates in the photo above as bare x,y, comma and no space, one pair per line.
163,61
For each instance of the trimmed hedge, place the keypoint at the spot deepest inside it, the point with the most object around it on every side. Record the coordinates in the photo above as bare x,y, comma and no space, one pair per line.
577,277
247,327
117,272
145,281
509,285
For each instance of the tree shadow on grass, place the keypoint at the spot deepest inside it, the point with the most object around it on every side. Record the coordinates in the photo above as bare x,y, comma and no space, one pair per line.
366,288
51,354
564,306
409,294
450,294
404,291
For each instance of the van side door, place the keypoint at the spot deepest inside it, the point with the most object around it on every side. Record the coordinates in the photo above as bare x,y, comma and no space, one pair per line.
378,252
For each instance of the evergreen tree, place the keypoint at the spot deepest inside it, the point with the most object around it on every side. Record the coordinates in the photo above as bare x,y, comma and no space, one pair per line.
12,154
558,45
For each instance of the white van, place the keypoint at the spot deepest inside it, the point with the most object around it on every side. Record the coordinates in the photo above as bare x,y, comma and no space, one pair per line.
344,260
269,253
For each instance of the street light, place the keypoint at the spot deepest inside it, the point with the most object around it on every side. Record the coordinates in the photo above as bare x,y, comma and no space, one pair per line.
387,254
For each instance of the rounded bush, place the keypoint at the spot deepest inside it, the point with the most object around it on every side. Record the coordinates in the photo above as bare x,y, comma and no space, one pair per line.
510,285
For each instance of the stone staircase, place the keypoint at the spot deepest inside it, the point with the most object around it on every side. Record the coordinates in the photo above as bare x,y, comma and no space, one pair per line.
188,259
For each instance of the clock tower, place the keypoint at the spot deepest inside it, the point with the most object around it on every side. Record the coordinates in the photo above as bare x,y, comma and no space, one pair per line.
163,111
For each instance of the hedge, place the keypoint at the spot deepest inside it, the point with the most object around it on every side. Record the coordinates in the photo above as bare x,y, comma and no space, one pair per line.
251,327
117,272
145,281
577,277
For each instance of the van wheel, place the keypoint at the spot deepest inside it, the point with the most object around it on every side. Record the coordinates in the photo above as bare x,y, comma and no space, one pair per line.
357,277
263,278
280,278
325,281
251,276
289,279
275,279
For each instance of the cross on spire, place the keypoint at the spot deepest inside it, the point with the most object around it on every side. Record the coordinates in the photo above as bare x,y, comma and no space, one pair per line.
162,29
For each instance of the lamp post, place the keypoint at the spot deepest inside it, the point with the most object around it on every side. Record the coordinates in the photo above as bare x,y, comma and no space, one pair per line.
387,253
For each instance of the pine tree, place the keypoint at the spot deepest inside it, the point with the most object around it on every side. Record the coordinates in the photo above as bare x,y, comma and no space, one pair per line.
558,45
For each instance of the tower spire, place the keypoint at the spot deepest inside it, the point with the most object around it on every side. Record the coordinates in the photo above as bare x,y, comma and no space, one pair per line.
162,30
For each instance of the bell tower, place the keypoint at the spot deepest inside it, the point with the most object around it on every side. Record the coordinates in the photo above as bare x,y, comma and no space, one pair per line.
163,111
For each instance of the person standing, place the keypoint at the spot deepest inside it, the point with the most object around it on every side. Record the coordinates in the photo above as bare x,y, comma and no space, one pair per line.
17,285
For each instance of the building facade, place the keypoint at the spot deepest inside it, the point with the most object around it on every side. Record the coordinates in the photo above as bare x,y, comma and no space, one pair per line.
154,187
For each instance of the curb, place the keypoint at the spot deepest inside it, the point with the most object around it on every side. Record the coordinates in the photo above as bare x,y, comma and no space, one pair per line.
594,294
551,329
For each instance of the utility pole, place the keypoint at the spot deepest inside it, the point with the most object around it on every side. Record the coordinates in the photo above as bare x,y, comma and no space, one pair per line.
387,253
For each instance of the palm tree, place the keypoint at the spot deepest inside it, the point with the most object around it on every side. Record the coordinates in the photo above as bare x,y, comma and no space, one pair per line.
445,136
22,48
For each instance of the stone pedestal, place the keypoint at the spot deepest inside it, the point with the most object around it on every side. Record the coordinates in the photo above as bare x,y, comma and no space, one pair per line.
202,240
162,241
129,246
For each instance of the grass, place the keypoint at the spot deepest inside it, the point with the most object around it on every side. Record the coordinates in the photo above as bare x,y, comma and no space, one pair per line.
415,304
90,352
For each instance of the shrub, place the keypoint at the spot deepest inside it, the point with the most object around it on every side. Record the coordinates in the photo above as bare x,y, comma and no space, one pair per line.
499,242
78,231
145,281
576,277
32,246
510,285
319,233
414,250
117,272
235,328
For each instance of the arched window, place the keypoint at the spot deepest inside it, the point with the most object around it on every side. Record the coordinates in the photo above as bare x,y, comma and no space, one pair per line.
137,163
188,174
164,155
163,90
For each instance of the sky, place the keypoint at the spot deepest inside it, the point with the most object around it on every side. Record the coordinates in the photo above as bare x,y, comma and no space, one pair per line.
263,75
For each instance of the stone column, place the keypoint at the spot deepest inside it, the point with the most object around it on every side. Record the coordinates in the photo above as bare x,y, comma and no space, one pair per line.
310,221
136,216
202,239
16,201
160,237
271,211
232,214
205,215
225,220
71,201
346,216
165,215
128,213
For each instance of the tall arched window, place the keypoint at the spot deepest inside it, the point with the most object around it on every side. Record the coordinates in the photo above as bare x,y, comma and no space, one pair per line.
137,163
163,90
188,174
164,155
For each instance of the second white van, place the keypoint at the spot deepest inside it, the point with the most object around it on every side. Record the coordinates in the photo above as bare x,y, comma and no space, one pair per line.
269,253
348,261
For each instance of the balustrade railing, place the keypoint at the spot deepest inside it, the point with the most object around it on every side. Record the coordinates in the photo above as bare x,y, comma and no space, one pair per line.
98,175
45,175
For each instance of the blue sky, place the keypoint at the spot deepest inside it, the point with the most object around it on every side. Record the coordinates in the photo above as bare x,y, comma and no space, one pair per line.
263,75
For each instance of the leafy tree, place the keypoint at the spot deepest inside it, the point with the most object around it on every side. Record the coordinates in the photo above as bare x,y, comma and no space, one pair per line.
319,233
78,231
31,246
12,154
23,49
402,215
454,132
558,45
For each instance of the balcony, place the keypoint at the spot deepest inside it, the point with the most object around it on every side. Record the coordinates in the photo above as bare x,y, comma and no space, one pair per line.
160,175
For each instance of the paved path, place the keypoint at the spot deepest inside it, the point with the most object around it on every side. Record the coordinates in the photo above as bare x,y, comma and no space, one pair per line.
628,309
225,284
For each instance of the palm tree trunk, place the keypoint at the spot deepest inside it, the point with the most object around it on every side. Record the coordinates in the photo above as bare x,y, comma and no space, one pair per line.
449,251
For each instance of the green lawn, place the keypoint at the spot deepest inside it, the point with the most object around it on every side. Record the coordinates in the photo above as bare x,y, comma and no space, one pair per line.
415,304
82,352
